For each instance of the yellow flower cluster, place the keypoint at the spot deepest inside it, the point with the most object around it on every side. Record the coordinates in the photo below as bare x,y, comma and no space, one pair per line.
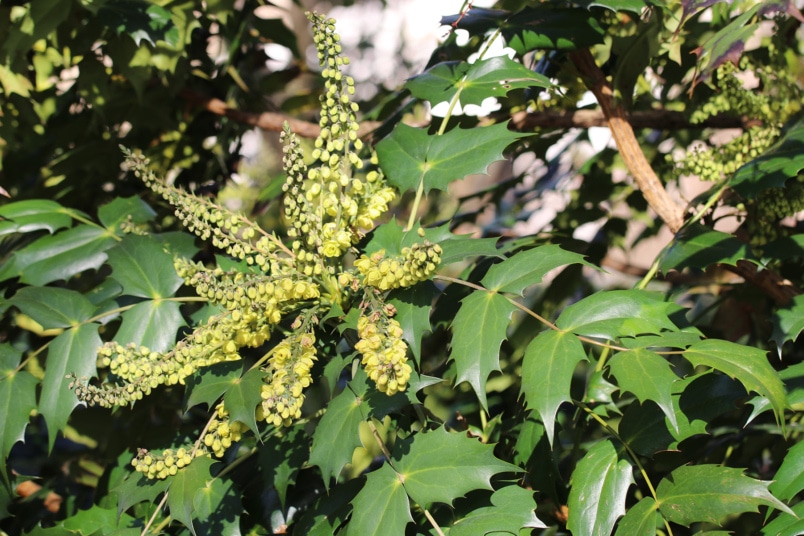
417,263
384,351
290,365
222,432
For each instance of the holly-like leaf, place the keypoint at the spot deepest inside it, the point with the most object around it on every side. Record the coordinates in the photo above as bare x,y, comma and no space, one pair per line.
513,510
772,169
209,383
747,365
143,268
138,488
528,267
183,488
478,330
786,524
789,479
217,507
618,313
410,156
152,323
640,520
461,248
74,351
281,457
122,209
33,215
648,376
17,398
600,483
492,77
381,507
788,322
59,256
413,307
243,397
337,435
53,307
545,28
547,368
420,460
710,493
97,520
699,247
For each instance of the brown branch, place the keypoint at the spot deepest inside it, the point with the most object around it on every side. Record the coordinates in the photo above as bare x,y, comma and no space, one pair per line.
660,119
668,210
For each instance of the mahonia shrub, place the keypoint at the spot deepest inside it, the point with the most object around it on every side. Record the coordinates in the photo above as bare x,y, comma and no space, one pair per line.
280,291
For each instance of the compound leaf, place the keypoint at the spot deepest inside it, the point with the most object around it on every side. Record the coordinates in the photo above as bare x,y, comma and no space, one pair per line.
183,488
617,313
337,435
492,77
143,268
513,510
411,156
693,493
74,351
430,477
528,267
648,376
478,330
600,483
381,507
547,368
747,365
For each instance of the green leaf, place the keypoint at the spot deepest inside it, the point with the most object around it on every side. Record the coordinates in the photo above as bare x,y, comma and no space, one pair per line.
492,77
411,155
648,376
152,323
140,20
600,483
137,488
478,330
97,520
789,479
634,6
33,215
59,256
618,313
699,247
217,507
143,268
243,397
337,435
693,493
461,248
381,507
207,384
281,457
788,321
513,510
53,307
183,488
74,351
786,524
17,398
413,307
547,368
558,29
640,520
419,460
527,268
329,511
122,209
747,365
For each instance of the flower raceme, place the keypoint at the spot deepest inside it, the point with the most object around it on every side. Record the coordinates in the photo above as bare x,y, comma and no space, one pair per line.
282,285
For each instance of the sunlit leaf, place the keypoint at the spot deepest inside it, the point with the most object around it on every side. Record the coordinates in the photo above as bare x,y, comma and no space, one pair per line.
138,488
789,479
413,307
381,507
337,435
477,81
513,510
183,488
207,384
693,493
419,460
97,520
788,321
600,483
648,376
122,209
243,397
528,267
143,268
411,155
33,215
634,6
478,330
152,323
786,524
547,368
217,507
640,520
699,247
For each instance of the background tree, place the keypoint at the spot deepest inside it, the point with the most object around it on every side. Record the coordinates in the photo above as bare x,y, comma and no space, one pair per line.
331,360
